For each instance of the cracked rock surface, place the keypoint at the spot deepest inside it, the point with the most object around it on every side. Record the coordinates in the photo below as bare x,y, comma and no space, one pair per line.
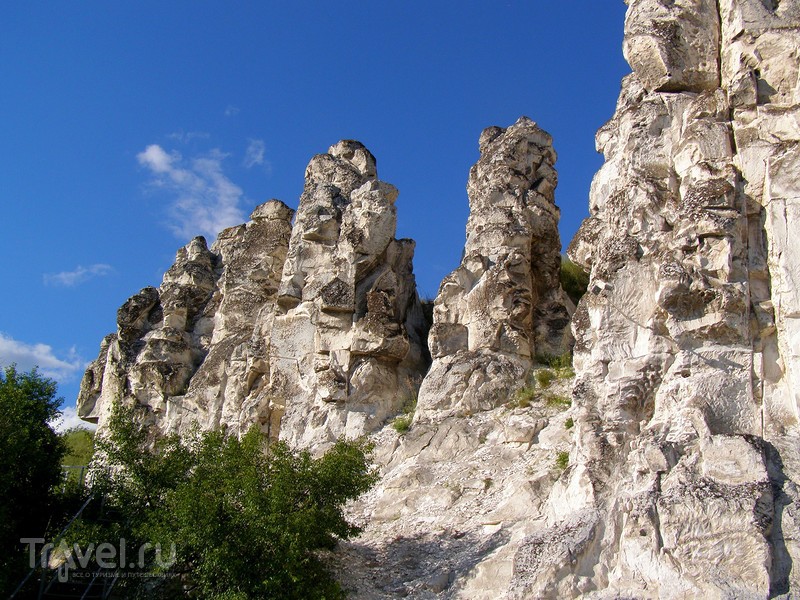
683,462
686,395
504,304
309,330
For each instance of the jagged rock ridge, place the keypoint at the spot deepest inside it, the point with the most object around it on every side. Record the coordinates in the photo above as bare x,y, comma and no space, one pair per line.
311,331
683,430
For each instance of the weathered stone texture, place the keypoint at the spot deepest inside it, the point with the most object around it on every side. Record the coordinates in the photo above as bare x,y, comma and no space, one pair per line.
310,332
346,349
683,431
684,359
504,304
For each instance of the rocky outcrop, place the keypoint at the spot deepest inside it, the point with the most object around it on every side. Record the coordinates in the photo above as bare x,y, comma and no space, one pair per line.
472,476
680,484
504,304
191,350
667,468
681,443
310,332
346,351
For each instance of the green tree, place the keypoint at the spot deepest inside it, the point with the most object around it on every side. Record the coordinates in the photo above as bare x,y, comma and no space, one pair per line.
246,517
80,446
30,465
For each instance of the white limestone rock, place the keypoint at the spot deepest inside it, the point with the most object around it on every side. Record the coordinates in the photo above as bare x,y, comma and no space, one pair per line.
346,347
672,45
189,351
684,389
682,436
310,332
504,304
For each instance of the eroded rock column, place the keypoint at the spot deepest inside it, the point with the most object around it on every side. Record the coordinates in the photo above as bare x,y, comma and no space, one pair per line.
345,349
504,304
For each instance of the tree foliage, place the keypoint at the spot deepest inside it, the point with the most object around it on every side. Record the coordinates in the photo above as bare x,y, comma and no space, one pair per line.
80,446
30,464
246,517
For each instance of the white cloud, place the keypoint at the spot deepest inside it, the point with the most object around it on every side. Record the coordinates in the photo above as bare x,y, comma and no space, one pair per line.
206,200
188,136
231,110
28,356
78,275
69,419
254,155
156,159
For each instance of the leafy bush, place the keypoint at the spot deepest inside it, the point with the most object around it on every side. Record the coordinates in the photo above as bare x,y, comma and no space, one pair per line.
30,465
555,361
545,377
536,391
402,423
569,423
80,449
246,518
524,397
562,460
574,279
565,373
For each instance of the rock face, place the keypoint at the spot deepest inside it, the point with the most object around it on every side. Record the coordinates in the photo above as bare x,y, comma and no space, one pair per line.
190,350
682,438
504,304
684,469
346,350
309,331
669,466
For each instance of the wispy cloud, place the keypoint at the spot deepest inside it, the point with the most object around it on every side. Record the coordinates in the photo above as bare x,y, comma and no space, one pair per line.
254,155
69,419
206,201
187,136
79,275
231,110
28,356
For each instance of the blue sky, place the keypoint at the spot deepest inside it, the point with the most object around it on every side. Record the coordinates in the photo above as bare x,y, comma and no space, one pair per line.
117,117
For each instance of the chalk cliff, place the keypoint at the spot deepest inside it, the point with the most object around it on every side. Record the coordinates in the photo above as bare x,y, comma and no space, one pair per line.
504,303
310,330
663,463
